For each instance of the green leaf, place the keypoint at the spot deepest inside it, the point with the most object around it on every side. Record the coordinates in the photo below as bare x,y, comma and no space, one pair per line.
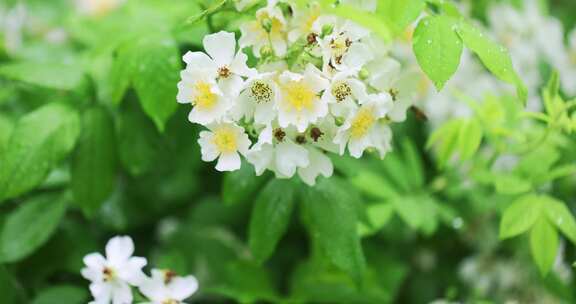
378,217
469,139
495,57
138,141
39,141
6,127
63,294
93,166
240,185
270,217
511,184
400,14
332,216
8,287
158,68
30,226
49,75
446,138
373,184
544,245
559,215
437,48
121,74
520,216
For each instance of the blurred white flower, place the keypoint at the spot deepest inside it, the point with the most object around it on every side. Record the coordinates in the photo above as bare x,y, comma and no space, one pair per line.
97,7
112,276
224,141
268,30
165,287
343,50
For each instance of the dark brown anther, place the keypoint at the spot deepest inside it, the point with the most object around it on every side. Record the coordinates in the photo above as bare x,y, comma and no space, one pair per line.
348,42
316,134
420,115
300,139
279,134
311,38
339,60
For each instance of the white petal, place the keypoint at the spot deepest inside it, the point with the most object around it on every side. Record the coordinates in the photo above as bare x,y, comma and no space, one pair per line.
154,289
290,156
239,67
119,249
101,292
207,147
182,288
231,86
320,164
95,261
261,158
198,60
122,294
221,47
229,162
132,271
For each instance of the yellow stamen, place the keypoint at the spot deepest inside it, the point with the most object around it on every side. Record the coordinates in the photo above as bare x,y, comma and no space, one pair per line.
300,96
204,98
362,123
225,140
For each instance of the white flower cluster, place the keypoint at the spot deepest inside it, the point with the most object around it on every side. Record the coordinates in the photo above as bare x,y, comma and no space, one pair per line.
321,85
112,277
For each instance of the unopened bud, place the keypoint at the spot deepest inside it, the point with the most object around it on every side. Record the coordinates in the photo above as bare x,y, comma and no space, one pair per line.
364,74
327,30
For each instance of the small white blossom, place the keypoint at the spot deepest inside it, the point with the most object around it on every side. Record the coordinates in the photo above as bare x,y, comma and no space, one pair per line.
343,50
166,288
304,22
222,61
343,94
112,276
320,164
364,129
224,141
258,100
198,87
300,103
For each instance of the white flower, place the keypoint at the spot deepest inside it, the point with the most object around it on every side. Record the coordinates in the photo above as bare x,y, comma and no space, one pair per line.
199,88
258,100
223,61
342,50
224,141
364,128
305,22
277,152
268,30
367,5
385,75
343,93
97,7
166,288
300,103
111,276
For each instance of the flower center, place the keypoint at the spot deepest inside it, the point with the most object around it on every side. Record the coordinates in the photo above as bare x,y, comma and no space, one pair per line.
261,92
224,72
340,46
169,275
341,91
170,301
362,123
225,140
108,274
300,96
204,98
